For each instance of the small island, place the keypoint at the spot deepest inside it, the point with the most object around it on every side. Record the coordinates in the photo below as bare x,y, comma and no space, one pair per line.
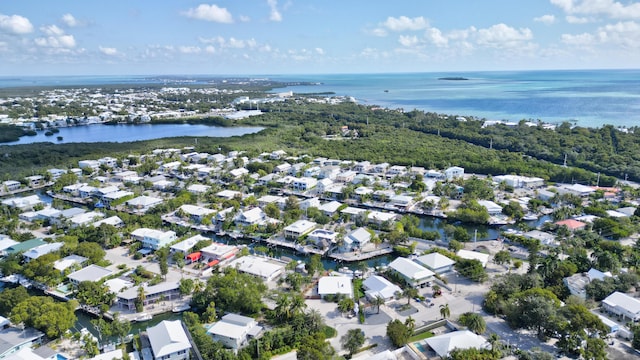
453,78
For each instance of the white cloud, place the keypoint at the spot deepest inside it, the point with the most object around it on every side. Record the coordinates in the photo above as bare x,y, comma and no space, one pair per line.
15,24
434,35
408,41
56,38
210,13
275,15
210,49
52,30
624,34
319,51
189,49
578,40
545,19
609,8
70,20
64,41
379,32
232,42
110,51
501,35
404,23
244,18
571,19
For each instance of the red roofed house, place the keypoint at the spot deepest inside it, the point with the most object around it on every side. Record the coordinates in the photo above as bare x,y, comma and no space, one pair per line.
571,224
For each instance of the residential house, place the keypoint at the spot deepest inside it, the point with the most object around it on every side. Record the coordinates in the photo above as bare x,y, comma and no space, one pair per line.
56,173
335,285
254,216
11,185
436,262
322,238
377,286
152,238
41,250
330,208
622,305
474,255
234,331
35,180
198,189
571,224
169,341
186,245
346,176
517,181
577,283
264,268
413,274
443,344
13,340
109,198
167,290
196,213
453,173
492,208
218,252
304,184
92,273
143,203
356,239
362,167
299,229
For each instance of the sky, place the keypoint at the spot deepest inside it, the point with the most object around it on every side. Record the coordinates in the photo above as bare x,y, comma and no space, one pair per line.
236,37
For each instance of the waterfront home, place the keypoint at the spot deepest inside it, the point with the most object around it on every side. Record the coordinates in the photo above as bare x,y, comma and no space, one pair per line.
89,164
623,305
381,168
35,180
234,330
492,208
24,246
517,181
127,176
413,274
322,238
71,261
571,224
218,252
335,285
186,245
11,185
198,189
14,339
229,194
109,198
356,239
108,161
85,218
168,290
152,238
378,217
269,199
5,243
266,269
305,204
195,213
346,176
169,340
239,172
575,189
113,221
362,167
92,273
376,286
474,255
330,208
254,216
436,262
23,203
299,229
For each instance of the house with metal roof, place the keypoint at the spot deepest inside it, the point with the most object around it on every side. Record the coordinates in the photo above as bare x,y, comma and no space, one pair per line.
377,286
413,274
41,250
169,340
90,273
335,285
622,305
234,330
436,262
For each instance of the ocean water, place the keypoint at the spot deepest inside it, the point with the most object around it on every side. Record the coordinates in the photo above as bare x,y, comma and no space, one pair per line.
590,98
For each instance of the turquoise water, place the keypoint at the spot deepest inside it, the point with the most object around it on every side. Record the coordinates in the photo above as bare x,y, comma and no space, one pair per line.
60,357
590,97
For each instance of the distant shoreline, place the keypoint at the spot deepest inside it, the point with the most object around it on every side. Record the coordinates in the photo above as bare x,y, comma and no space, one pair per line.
453,78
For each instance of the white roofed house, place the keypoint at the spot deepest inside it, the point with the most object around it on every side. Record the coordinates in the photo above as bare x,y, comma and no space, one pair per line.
267,269
492,208
41,250
196,213
153,239
233,330
436,262
335,285
413,274
453,172
249,217
169,341
322,238
304,184
474,255
356,239
623,305
90,273
239,172
186,245
108,199
377,286
143,203
167,290
198,189
299,229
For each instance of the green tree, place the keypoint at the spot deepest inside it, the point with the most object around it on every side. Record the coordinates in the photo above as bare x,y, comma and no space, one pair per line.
410,293
533,309
43,313
10,298
346,305
377,302
502,257
474,322
352,340
315,347
398,333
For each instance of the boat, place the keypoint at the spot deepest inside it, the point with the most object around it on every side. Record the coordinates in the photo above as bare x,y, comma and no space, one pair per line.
143,317
60,138
181,308
530,217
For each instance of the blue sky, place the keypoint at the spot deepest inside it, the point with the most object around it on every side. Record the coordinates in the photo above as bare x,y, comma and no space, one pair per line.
70,37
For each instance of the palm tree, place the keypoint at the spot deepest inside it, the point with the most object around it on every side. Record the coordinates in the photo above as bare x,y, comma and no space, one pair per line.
475,322
410,323
410,293
283,306
378,301
297,304
346,305
445,311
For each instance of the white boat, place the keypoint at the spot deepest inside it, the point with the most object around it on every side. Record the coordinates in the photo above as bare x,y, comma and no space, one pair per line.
181,308
530,217
144,317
